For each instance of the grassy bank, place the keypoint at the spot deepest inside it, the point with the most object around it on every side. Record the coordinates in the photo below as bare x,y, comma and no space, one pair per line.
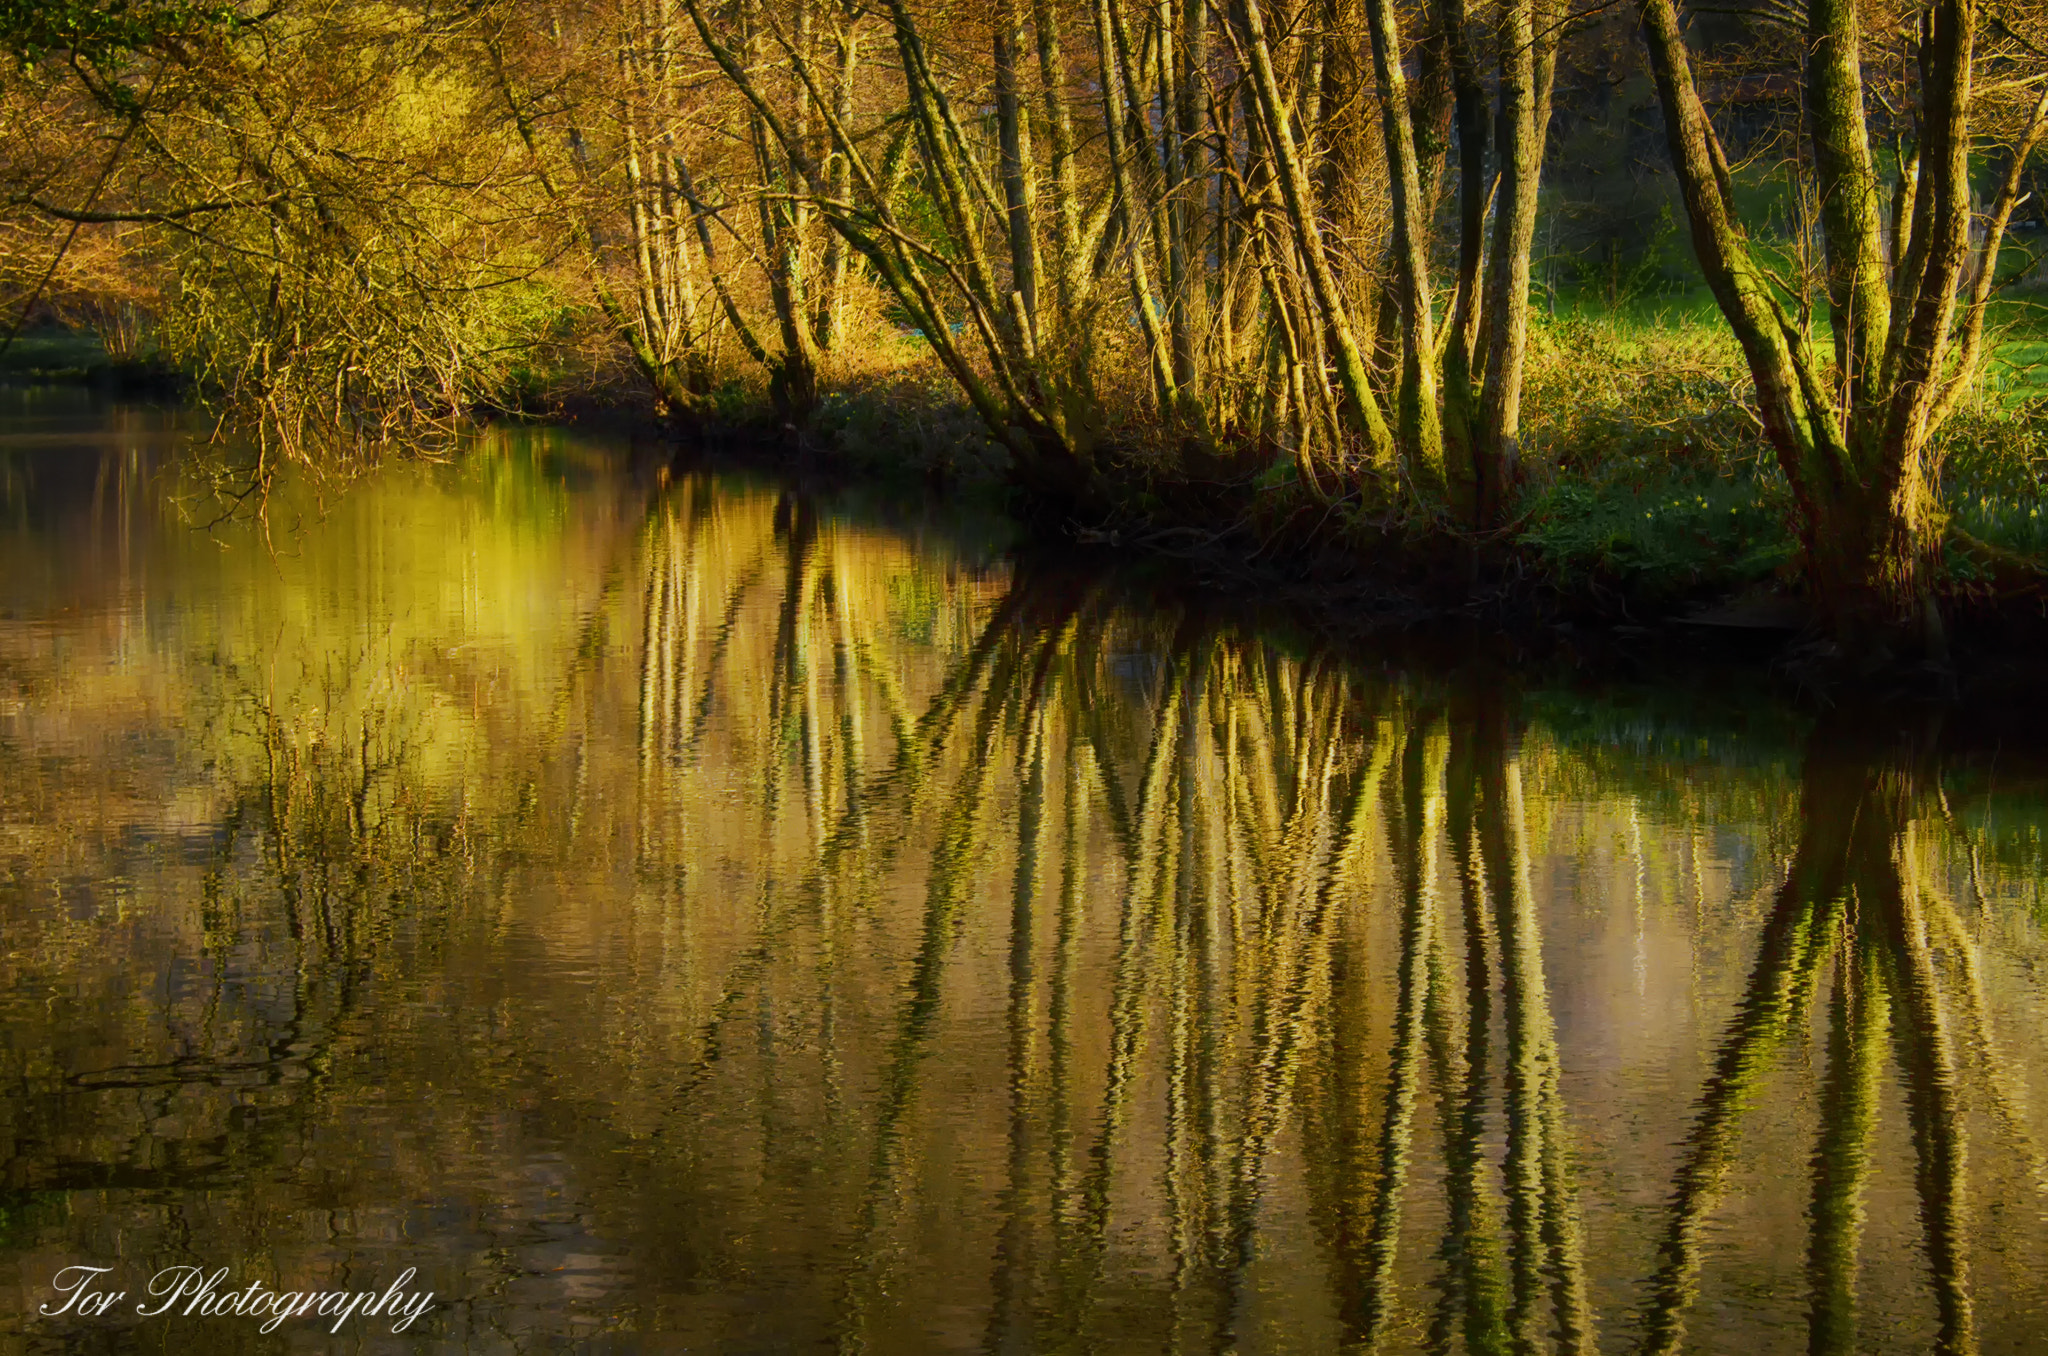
1646,487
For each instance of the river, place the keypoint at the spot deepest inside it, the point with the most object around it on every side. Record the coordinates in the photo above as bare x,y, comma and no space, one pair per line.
682,913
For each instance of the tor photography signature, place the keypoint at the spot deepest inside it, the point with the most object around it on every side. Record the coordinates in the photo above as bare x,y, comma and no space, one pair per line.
89,1292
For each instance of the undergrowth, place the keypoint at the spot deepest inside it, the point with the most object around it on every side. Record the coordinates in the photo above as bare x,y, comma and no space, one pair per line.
1995,475
1649,472
1646,470
904,417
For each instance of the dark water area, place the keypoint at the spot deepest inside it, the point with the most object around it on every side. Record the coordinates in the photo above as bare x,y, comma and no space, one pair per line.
676,913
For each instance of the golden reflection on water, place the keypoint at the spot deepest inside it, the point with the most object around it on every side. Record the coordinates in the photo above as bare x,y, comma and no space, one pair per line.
697,915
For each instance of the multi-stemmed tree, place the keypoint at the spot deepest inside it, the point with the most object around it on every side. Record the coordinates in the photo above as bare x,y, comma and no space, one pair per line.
1853,417
1233,206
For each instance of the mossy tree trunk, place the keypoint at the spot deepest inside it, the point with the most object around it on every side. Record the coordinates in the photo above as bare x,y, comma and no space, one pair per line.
1528,64
1853,427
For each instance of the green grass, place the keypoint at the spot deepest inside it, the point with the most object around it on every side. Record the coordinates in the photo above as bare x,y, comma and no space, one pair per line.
1663,537
1995,473
49,352
1647,474
2018,370
1667,304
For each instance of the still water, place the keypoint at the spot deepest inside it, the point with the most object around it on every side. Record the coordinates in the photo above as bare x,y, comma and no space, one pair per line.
679,914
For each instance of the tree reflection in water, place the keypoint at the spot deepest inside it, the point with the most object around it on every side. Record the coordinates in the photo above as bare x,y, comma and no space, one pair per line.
889,954
1861,913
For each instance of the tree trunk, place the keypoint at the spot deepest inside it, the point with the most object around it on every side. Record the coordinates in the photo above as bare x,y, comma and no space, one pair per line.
831,321
1421,425
1527,62
1362,405
1014,138
1852,442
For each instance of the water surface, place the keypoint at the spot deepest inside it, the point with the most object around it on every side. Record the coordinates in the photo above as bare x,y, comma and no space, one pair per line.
681,913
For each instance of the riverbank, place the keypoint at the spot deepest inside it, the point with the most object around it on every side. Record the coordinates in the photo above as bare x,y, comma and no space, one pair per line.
1491,611
1646,496
1632,558
51,354
1649,512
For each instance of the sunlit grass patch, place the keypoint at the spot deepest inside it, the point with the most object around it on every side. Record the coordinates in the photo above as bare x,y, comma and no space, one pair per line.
2015,368
1663,386
1648,473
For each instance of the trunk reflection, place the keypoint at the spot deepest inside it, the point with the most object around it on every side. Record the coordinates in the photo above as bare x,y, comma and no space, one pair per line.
891,954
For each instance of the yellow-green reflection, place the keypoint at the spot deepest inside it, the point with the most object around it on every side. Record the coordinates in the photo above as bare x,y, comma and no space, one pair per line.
1863,891
693,909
